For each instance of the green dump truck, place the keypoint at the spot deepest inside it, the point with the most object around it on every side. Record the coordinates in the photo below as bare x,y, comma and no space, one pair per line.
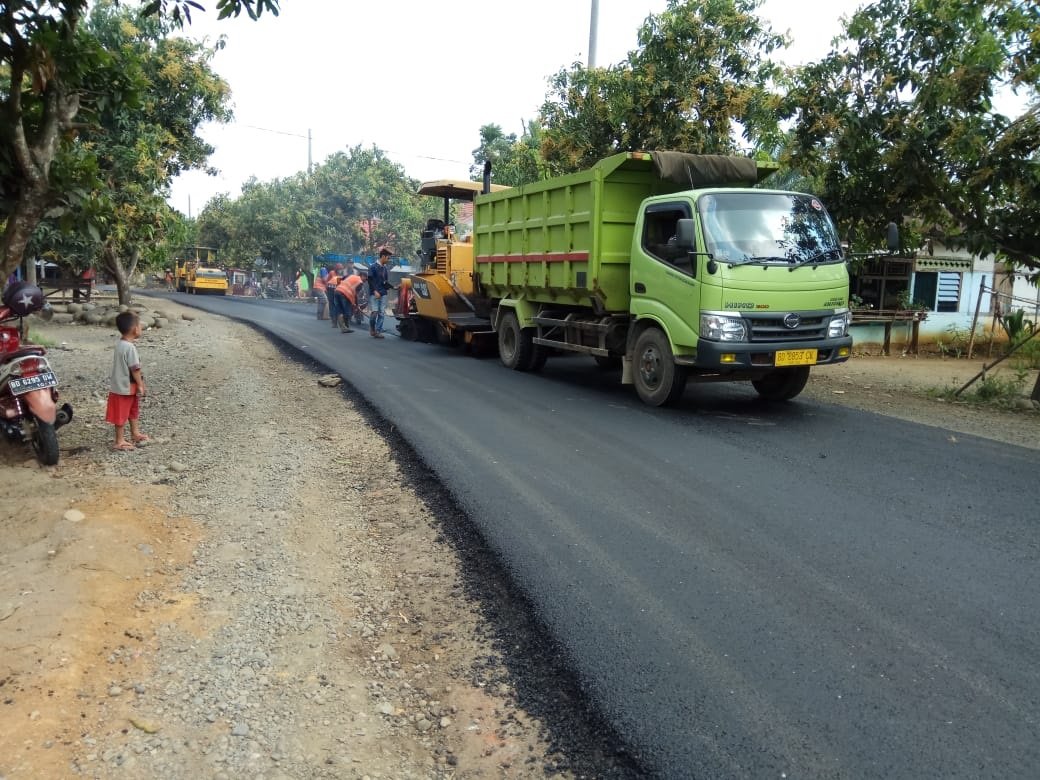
670,265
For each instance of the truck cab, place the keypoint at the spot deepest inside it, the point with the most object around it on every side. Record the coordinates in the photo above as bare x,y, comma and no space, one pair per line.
744,283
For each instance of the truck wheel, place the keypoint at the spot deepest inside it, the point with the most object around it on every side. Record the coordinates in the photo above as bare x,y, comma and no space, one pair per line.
658,380
782,384
515,349
45,443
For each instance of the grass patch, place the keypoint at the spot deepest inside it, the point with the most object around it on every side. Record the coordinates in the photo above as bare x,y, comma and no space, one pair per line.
994,391
40,341
1028,356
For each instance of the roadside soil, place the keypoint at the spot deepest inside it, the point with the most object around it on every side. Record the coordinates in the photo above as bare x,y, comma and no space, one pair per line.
274,586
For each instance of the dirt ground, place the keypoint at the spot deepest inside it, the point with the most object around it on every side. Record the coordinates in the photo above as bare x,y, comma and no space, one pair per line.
199,608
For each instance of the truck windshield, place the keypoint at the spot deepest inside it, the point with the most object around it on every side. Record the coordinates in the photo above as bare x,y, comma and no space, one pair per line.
768,228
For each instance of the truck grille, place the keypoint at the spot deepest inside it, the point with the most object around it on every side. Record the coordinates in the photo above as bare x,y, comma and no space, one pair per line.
771,328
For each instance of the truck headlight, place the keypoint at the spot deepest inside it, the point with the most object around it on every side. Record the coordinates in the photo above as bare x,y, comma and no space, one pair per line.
839,325
716,327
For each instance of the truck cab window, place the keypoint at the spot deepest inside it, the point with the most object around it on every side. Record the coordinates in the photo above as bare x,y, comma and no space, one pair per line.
660,226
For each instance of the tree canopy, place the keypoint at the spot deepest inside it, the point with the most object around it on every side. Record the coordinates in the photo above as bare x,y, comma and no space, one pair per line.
700,67
134,144
355,202
898,123
49,74
514,161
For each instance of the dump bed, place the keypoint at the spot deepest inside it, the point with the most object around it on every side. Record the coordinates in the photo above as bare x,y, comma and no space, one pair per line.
568,240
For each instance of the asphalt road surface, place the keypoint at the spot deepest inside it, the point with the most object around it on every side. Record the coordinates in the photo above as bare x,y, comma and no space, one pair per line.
745,589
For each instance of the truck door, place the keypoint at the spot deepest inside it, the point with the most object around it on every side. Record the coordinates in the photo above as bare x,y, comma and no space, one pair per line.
664,275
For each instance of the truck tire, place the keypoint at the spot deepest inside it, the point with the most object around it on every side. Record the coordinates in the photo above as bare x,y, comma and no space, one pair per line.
782,384
515,348
658,380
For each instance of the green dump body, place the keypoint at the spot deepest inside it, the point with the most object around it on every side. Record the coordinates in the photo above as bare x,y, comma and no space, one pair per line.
568,240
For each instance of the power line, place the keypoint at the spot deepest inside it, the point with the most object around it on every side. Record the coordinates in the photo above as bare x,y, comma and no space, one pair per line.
388,151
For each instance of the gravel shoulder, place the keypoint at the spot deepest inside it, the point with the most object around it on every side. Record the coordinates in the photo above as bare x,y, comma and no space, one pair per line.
275,587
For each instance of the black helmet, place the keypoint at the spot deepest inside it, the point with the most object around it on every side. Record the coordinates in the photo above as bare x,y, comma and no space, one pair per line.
23,298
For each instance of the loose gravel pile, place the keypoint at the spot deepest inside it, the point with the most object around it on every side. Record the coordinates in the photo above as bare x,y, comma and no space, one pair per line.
332,615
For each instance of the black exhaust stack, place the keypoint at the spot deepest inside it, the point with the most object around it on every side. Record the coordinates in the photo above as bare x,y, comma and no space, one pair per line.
487,178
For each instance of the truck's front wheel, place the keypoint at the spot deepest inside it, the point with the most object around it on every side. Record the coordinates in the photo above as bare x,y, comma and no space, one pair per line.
516,349
657,379
782,384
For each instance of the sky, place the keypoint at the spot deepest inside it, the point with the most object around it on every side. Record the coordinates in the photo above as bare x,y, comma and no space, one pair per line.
416,78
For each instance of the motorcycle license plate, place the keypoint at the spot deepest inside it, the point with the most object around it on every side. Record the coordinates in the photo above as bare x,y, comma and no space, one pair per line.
796,357
25,384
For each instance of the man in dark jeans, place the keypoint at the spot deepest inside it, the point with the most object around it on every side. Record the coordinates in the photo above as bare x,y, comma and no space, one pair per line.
379,287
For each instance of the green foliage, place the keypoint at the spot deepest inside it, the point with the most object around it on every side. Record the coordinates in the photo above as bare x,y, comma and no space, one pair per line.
513,161
905,302
353,203
34,337
179,11
1027,357
57,84
991,390
897,122
1016,326
700,66
131,147
954,343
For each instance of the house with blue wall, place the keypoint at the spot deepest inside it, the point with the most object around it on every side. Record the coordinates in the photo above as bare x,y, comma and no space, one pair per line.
945,286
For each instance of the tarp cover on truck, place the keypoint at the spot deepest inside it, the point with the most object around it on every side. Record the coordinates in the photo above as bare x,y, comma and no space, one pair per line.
705,170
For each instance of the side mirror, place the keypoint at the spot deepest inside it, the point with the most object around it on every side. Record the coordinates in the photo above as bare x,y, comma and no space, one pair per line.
892,236
685,234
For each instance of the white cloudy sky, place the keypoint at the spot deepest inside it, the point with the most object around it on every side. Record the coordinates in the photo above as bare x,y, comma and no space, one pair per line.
414,77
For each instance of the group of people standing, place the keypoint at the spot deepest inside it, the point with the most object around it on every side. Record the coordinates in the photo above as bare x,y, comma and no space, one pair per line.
345,297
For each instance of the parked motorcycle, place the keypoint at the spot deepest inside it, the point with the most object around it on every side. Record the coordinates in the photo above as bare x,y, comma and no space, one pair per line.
29,411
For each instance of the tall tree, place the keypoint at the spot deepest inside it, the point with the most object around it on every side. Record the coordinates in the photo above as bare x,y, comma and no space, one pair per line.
381,196
700,67
138,145
899,122
514,161
45,70
354,202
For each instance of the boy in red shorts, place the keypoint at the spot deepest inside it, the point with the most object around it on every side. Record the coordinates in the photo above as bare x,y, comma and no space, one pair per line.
127,383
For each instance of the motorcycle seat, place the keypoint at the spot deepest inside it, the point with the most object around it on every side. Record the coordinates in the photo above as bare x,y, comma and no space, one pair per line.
6,357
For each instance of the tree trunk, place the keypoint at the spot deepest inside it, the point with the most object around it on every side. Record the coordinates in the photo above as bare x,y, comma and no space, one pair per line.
27,213
32,143
114,267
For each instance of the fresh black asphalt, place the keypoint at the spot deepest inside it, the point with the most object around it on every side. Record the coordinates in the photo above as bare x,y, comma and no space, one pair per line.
745,589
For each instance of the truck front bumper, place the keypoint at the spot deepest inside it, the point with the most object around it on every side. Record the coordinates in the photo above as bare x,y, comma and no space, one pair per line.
716,356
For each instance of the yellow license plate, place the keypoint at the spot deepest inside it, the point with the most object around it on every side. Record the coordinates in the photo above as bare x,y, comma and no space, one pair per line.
796,357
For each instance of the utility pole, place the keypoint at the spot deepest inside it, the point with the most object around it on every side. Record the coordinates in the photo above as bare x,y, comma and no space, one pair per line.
308,151
593,25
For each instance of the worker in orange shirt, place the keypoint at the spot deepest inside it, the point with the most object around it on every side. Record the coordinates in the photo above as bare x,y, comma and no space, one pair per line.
334,277
346,300
319,294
